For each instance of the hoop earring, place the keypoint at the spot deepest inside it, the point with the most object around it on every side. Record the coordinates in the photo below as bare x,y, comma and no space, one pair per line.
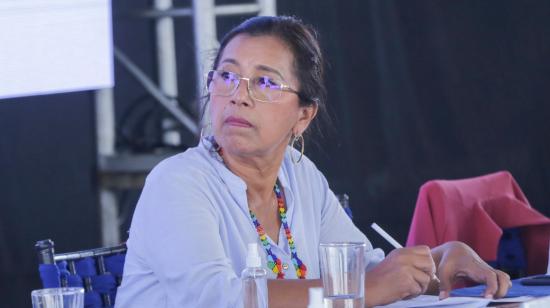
294,140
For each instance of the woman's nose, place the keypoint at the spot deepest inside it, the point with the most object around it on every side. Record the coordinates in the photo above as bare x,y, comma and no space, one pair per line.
242,95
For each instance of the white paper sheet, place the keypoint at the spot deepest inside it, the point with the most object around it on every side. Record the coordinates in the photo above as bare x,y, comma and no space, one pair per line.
49,46
433,301
467,302
519,299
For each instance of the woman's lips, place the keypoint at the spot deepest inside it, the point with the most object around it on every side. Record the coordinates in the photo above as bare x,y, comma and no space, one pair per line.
236,121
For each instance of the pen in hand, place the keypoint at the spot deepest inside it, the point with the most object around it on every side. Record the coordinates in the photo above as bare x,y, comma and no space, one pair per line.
394,243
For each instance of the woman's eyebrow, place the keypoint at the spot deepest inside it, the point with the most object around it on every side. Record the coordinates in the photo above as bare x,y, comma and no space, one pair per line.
260,67
231,60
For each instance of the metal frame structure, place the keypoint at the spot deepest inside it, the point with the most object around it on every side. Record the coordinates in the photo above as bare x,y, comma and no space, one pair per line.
126,172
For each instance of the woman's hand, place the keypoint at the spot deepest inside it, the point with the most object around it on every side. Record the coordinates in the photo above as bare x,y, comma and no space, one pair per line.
404,273
458,262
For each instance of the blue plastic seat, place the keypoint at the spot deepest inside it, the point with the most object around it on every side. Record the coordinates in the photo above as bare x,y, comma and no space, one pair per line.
98,271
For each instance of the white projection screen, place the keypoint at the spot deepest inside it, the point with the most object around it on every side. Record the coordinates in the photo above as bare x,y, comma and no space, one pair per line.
52,46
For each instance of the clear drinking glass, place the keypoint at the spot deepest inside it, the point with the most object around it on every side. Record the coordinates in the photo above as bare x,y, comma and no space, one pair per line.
58,298
343,274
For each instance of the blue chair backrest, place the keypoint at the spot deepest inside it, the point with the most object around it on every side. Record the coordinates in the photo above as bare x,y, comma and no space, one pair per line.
511,254
344,202
98,271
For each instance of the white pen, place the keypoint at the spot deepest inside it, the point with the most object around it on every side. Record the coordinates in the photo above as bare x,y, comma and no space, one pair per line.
394,243
386,236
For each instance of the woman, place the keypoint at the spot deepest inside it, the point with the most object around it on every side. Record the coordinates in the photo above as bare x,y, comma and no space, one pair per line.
243,183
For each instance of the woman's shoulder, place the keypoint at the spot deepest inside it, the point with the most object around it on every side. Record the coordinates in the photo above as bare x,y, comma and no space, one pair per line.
194,163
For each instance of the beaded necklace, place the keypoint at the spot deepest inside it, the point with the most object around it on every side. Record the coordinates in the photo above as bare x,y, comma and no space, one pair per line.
273,262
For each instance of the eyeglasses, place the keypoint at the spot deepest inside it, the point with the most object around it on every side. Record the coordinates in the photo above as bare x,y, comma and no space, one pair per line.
261,88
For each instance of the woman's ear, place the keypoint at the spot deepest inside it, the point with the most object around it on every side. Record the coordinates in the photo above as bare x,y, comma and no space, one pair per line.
307,114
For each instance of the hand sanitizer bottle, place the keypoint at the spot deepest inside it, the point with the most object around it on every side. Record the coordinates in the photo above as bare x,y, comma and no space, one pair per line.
316,298
254,279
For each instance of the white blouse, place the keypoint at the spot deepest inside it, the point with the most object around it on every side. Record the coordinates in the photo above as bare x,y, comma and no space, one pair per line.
190,230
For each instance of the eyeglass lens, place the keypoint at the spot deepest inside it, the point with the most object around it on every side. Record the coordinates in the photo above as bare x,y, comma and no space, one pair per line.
262,88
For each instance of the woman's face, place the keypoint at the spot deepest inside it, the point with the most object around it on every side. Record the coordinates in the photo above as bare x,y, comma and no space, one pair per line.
244,126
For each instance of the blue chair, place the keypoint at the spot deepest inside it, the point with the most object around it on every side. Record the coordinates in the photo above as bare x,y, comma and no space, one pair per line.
511,254
344,202
98,271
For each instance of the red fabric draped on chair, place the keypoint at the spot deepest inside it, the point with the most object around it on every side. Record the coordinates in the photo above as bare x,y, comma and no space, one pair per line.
475,211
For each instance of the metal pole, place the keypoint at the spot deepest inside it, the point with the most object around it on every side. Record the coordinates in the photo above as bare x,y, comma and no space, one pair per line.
167,67
110,233
105,121
206,41
105,130
268,7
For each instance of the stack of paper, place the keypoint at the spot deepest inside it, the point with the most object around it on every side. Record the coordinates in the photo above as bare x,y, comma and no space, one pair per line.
465,302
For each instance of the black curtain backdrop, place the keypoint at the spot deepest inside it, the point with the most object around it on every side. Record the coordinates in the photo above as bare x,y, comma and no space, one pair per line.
417,90
431,89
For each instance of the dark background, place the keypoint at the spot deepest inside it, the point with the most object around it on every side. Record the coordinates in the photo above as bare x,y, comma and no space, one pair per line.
417,90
